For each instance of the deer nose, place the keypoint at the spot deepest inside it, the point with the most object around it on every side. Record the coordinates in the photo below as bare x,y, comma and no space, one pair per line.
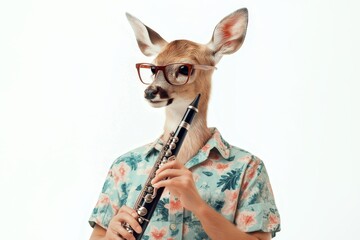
150,92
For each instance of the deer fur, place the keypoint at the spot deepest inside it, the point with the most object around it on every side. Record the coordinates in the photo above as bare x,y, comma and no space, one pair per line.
227,38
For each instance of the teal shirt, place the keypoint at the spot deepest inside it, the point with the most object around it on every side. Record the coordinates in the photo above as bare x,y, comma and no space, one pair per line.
232,181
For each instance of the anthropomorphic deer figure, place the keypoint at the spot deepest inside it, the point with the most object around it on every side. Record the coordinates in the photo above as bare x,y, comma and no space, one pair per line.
227,38
215,190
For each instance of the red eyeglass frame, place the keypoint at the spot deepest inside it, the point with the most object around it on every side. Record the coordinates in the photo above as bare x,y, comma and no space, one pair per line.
162,68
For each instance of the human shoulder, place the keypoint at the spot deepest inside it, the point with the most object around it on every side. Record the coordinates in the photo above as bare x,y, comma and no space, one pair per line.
239,154
244,157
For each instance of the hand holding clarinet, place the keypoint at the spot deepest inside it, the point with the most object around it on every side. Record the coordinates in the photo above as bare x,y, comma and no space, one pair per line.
131,223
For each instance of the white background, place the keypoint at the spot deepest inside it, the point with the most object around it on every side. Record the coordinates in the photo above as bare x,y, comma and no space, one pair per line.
70,103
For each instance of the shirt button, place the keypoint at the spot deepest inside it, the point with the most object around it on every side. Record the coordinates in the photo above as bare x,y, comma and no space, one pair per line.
173,226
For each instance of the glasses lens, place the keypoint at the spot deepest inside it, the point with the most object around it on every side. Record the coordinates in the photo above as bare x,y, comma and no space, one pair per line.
147,73
177,74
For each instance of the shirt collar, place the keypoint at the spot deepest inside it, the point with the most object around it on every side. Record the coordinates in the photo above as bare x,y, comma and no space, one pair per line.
215,142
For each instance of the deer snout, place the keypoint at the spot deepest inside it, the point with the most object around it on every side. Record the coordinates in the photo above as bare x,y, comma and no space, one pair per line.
150,92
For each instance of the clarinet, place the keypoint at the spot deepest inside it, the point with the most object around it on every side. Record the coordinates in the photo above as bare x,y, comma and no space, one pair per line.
149,196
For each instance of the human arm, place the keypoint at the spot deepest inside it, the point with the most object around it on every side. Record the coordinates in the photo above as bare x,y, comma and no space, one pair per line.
217,227
98,233
110,210
180,183
115,228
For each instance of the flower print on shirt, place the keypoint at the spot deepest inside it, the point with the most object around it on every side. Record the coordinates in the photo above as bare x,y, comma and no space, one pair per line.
205,148
220,167
231,203
246,220
273,221
158,234
120,172
174,205
104,200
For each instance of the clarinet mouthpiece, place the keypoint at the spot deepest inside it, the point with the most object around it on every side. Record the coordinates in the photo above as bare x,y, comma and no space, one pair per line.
195,102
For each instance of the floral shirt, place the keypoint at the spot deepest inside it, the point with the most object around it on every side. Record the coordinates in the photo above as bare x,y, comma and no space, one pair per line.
232,181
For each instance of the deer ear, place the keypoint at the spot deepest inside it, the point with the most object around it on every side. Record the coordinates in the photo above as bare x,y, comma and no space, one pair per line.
229,34
149,41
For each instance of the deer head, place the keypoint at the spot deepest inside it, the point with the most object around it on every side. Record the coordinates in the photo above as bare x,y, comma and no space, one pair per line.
227,38
181,69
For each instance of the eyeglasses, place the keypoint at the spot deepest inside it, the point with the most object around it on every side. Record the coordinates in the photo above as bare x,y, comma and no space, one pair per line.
175,73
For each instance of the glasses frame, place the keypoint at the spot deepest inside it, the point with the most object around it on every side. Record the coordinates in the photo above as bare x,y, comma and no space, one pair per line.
162,68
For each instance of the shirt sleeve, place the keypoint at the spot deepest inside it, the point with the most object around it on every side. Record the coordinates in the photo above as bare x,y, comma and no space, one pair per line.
256,209
108,203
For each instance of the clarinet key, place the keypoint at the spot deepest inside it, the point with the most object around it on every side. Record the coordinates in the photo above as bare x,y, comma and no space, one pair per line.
172,145
148,198
168,153
142,211
150,189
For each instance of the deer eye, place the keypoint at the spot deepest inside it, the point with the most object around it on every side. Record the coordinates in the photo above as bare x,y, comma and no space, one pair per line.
153,69
184,70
